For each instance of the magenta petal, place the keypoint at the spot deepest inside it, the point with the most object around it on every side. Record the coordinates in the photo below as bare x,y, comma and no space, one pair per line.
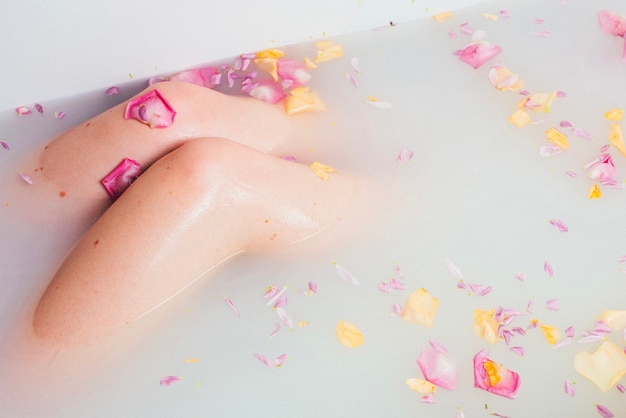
293,71
169,380
604,411
200,76
151,109
4,144
612,23
478,53
112,91
558,224
494,378
121,177
438,368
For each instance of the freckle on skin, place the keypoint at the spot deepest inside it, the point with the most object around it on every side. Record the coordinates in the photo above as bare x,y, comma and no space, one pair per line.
96,242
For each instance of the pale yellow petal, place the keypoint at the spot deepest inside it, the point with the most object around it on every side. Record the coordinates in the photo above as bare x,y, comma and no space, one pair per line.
349,334
302,100
550,333
321,170
420,307
614,114
485,325
616,138
443,16
421,386
604,367
614,319
327,50
520,118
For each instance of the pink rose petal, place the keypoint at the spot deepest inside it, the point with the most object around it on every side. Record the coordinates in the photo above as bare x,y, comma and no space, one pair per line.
547,267
121,177
267,91
553,304
493,377
273,364
454,270
231,305
39,108
346,275
59,115
405,154
4,144
558,224
293,71
112,91
151,109
169,380
204,76
621,388
518,350
569,388
285,317
478,53
26,178
23,110
612,23
275,331
604,411
438,368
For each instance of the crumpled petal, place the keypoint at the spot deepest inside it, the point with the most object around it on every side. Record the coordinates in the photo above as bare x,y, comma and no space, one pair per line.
420,307
438,368
478,53
614,114
302,100
121,177
493,377
151,109
604,367
602,169
349,334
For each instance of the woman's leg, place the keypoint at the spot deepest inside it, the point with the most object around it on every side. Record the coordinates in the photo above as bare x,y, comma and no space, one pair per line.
66,173
200,204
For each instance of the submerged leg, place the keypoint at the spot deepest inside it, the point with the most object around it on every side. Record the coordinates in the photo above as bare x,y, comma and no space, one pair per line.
202,203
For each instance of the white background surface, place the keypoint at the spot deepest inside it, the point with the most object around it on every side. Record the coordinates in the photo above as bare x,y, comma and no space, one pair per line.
53,49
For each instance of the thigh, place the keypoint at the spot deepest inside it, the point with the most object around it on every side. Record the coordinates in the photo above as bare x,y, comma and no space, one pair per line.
197,206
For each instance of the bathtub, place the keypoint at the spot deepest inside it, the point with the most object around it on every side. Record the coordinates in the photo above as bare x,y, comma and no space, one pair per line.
483,215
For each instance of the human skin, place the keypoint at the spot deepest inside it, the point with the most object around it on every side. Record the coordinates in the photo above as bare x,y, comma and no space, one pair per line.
202,199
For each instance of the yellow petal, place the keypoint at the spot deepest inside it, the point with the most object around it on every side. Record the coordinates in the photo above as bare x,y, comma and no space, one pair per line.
605,367
302,100
616,138
614,319
269,65
321,170
594,192
614,114
421,386
540,102
520,118
303,324
557,138
270,53
503,79
551,334
327,50
485,325
489,16
420,307
442,17
309,64
348,334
